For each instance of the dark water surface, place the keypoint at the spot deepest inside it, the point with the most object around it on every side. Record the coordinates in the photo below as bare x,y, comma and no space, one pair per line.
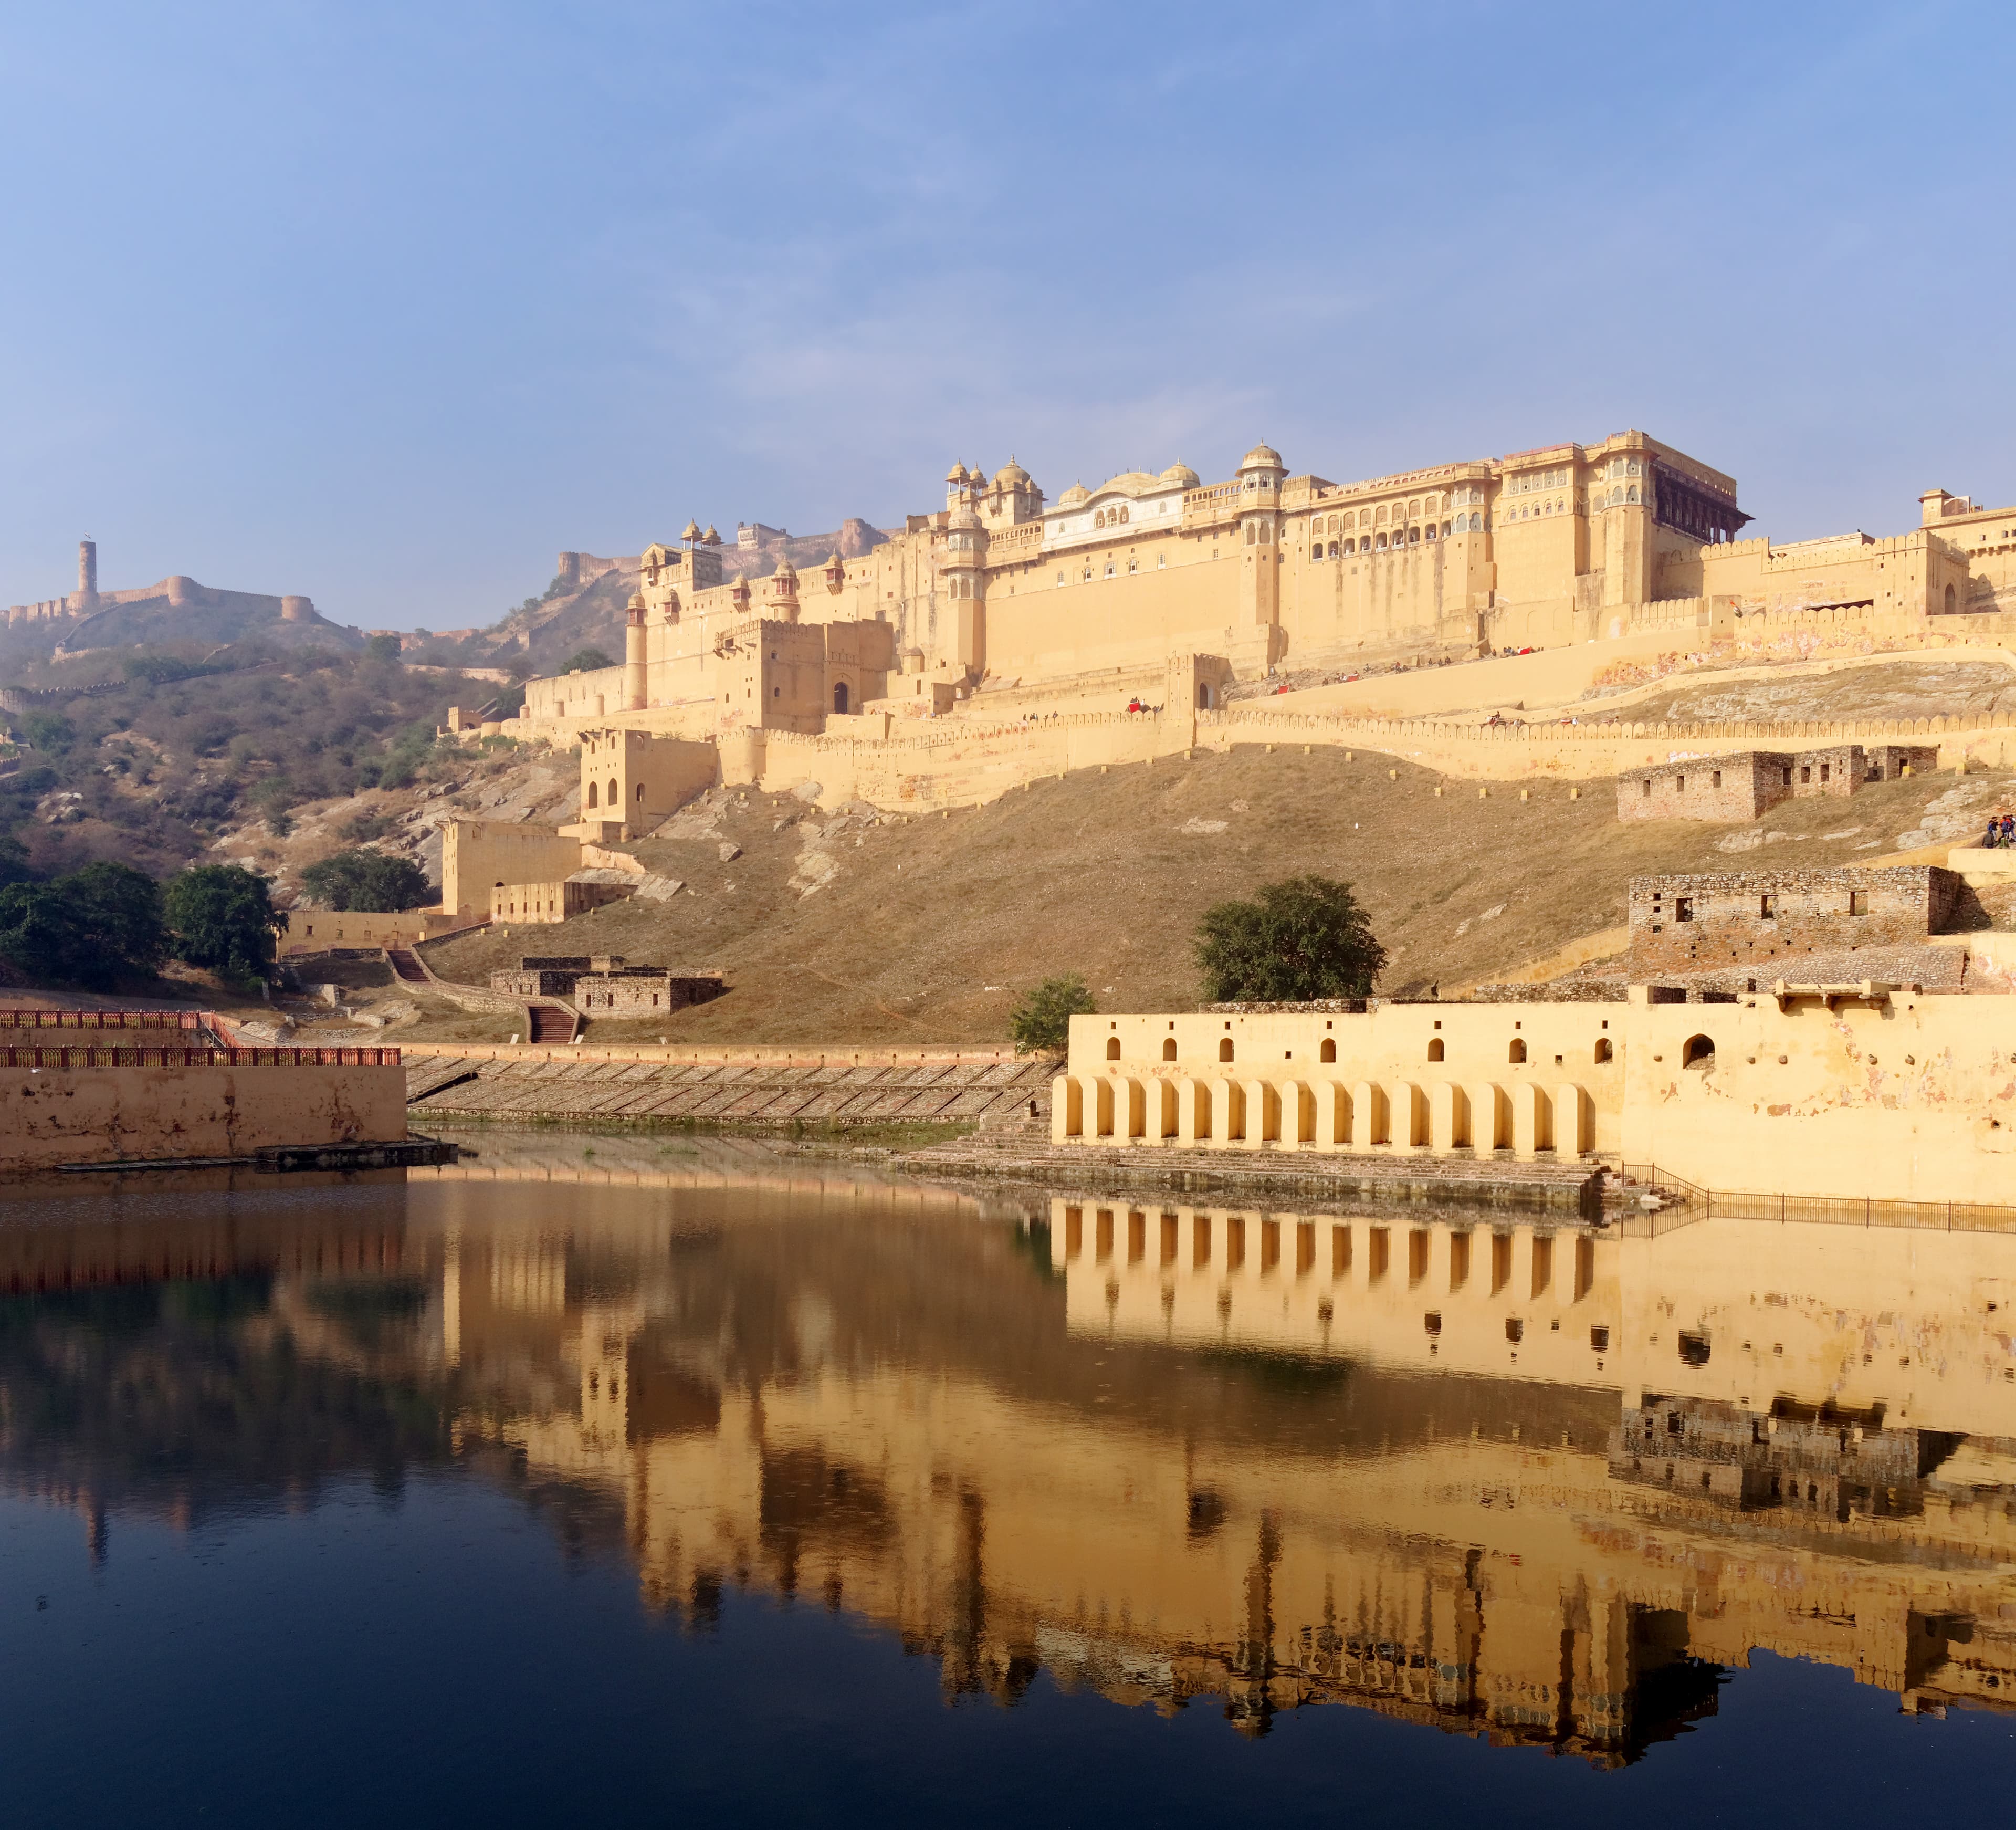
667,1481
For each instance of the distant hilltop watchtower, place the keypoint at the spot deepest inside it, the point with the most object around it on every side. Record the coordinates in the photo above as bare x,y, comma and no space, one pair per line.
86,600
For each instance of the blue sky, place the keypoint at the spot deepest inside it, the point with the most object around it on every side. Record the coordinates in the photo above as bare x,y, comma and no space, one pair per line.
388,302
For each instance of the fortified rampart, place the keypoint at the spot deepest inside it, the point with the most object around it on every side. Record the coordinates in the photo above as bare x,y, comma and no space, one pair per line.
166,1091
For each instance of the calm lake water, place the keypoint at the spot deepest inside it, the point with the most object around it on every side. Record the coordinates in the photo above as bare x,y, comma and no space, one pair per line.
629,1481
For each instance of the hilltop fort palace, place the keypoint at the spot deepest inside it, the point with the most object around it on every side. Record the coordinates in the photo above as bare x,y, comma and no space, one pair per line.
1004,592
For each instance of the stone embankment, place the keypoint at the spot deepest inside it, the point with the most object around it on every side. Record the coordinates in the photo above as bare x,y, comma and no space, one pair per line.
1024,1155
755,1086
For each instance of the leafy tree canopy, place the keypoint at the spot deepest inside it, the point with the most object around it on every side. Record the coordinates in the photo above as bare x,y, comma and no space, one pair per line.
587,660
223,919
383,647
1041,1023
92,928
368,881
1301,939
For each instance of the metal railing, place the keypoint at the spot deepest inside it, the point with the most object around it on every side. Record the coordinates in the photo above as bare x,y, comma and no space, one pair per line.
1857,1210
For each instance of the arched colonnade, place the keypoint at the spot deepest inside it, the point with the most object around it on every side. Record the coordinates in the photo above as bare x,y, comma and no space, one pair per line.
1401,1118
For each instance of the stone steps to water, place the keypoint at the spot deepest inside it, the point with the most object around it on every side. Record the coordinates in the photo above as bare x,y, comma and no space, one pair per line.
731,1093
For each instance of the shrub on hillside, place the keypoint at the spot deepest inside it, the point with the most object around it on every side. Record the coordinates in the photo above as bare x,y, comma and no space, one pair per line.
587,660
1041,1023
1301,939
92,928
370,882
383,647
223,919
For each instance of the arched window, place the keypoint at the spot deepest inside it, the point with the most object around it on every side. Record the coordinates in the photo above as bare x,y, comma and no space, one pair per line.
1951,600
1382,514
1434,1048
1126,513
840,696
1631,494
1477,524
1414,508
1113,1048
1098,520
591,800
1225,1048
1698,1051
640,794
1332,549
615,793
1204,695
1328,1052
1517,1051
1333,524
1382,539
1169,1048
1414,536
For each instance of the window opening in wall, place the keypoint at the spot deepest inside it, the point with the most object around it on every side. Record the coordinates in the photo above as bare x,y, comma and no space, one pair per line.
1113,1048
1825,769
1434,1048
1225,1048
1328,1052
1715,779
1858,902
1680,783
1602,1048
1683,908
1694,1349
1645,789
1767,908
1599,1338
1788,778
1517,1051
1169,1048
1698,1051
1806,773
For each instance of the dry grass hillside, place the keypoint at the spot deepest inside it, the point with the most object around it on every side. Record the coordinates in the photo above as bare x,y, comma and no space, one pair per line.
857,927
1878,690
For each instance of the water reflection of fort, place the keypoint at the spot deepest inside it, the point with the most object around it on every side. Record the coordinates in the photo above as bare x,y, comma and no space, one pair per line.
1537,1485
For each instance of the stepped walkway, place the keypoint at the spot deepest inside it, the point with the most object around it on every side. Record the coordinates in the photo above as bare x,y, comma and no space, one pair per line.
548,1084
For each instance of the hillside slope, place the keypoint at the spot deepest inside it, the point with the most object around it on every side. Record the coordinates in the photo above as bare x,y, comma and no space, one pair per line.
930,929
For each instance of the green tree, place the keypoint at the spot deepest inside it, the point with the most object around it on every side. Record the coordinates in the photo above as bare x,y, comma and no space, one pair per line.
223,919
366,880
1301,939
48,731
383,647
90,927
587,660
1041,1023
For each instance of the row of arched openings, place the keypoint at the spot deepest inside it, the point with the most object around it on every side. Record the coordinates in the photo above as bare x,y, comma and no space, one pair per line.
1517,1052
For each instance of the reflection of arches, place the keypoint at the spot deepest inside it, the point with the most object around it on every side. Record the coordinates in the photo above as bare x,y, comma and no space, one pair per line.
1225,1048
1328,1052
1517,1051
1434,1048
1698,1051
1602,1049
840,696
1169,1048
591,800
1113,1048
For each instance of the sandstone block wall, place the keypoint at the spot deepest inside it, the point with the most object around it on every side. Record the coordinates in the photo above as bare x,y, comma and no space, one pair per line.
638,994
1771,921
1737,787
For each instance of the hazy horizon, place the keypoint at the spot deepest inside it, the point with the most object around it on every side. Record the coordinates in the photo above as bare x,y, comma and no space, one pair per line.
387,307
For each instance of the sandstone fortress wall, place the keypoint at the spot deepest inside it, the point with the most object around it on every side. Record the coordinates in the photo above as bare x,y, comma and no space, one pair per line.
1002,637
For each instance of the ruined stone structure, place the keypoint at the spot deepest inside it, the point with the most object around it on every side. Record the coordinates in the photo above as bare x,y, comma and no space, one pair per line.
608,984
1739,785
1765,923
